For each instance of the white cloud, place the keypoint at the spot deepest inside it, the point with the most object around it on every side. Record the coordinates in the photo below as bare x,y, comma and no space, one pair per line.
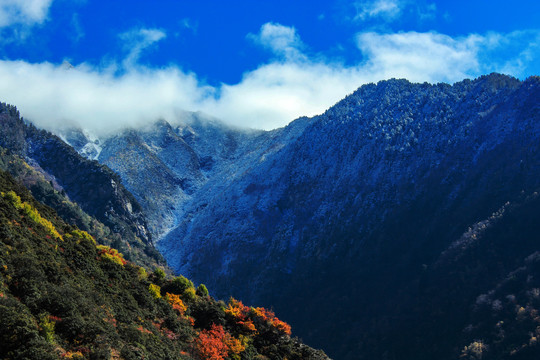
276,93
392,10
421,56
377,8
25,12
137,40
426,12
267,97
281,40
55,95
78,31
190,24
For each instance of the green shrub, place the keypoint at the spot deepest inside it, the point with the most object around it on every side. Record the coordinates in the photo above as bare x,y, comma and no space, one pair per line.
202,290
155,290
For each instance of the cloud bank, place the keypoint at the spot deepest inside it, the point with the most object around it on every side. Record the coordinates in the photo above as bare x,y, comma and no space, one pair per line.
290,85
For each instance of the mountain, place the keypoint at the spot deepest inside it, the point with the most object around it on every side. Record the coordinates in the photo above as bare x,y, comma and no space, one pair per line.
164,164
406,212
60,177
64,297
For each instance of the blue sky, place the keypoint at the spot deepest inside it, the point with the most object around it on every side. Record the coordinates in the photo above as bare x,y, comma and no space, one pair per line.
251,63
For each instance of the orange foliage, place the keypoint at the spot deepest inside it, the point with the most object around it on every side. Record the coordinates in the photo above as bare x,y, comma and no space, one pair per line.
271,318
248,326
236,309
176,303
72,355
245,315
217,344
239,312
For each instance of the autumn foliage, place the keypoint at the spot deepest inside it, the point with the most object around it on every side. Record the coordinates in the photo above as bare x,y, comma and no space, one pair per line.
270,318
245,316
239,314
217,344
210,344
176,302
106,252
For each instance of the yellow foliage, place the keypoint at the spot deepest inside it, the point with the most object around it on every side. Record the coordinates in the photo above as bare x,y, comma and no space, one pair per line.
155,290
141,273
47,328
83,235
14,198
189,294
32,213
73,355
176,303
236,346
111,254
474,350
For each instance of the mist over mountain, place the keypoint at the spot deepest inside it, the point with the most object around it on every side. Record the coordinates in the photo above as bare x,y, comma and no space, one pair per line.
406,212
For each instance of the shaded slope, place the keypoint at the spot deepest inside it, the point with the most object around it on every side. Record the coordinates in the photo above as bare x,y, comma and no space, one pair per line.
348,215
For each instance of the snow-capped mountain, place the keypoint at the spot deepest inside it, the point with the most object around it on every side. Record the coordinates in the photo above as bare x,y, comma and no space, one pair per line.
348,210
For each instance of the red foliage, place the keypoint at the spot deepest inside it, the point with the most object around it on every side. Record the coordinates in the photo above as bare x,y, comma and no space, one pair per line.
55,318
143,330
210,344
171,335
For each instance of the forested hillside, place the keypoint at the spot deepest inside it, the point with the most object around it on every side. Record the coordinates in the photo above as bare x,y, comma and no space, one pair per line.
64,297
84,192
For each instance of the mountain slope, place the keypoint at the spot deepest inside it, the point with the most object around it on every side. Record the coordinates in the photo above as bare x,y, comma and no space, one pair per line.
61,296
364,198
164,164
95,188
